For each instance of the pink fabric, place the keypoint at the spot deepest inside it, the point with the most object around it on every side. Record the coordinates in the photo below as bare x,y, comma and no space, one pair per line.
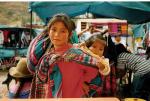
73,87
15,86
114,28
6,34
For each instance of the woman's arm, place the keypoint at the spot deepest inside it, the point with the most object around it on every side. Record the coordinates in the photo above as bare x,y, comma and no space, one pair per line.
36,50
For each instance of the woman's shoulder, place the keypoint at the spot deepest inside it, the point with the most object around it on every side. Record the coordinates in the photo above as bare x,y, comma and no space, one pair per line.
74,50
81,49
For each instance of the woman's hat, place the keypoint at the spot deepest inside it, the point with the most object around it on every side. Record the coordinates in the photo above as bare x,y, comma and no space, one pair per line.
21,70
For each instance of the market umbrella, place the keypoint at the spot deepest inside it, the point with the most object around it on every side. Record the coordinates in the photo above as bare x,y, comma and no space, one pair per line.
133,12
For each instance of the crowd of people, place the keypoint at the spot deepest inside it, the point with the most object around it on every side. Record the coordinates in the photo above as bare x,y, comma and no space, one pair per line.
63,64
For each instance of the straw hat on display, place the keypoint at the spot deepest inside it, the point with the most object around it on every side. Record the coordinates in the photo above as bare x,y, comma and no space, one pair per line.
21,70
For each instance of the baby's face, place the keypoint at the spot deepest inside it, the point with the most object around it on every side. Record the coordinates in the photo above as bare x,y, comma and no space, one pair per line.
97,48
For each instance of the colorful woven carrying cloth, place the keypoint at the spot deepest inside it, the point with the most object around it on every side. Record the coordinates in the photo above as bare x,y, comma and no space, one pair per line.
47,81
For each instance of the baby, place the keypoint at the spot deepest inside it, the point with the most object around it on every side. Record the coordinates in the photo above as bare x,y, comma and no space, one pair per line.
95,46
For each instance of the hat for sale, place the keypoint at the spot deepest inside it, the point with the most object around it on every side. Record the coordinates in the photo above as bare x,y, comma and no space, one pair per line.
21,70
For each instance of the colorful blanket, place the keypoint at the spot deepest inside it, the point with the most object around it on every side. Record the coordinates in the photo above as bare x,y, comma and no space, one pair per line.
46,71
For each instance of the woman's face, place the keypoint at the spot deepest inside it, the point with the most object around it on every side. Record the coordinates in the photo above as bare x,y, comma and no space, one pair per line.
59,34
97,48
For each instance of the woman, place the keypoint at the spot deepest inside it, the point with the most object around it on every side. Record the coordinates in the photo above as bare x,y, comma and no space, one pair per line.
140,68
60,68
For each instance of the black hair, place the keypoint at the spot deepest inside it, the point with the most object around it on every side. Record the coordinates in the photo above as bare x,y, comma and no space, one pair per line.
92,39
120,48
113,51
63,18
148,53
59,17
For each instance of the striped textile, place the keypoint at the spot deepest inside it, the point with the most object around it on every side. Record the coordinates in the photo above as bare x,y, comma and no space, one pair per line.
46,70
137,64
36,50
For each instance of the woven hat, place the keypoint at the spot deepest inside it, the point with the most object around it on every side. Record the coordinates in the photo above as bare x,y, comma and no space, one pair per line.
21,70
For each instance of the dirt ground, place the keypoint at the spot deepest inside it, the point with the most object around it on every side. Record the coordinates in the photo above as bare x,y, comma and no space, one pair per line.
3,88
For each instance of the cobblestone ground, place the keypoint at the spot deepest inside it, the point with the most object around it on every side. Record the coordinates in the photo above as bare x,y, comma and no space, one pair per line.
3,88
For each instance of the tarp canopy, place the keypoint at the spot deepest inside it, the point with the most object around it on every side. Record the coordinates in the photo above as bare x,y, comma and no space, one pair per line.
133,12
140,30
3,26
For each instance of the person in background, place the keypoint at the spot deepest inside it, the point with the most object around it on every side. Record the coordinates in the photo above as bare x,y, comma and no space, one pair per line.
110,81
25,39
147,53
117,39
74,38
19,80
6,34
59,67
12,37
87,33
140,68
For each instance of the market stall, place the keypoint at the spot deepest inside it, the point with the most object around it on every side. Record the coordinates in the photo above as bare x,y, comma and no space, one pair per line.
14,43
